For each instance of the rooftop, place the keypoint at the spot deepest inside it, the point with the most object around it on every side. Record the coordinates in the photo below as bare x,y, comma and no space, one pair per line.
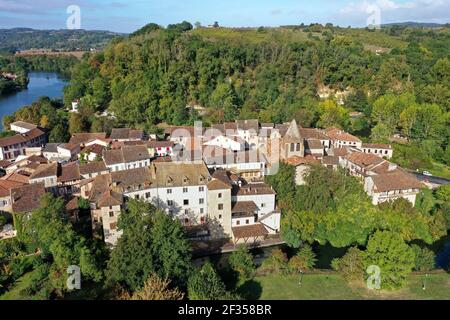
396,180
27,198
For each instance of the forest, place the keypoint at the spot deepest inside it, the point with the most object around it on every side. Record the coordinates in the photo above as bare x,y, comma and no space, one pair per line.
12,40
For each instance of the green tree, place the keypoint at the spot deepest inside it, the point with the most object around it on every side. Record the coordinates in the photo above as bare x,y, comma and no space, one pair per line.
205,284
392,255
241,261
151,243
304,260
424,258
351,265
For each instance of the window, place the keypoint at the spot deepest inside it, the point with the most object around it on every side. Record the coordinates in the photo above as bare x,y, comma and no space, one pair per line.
292,147
110,207
202,211
219,196
111,214
186,202
202,220
185,190
170,203
247,221
137,197
169,191
263,205
201,189
113,226
238,223
220,216
186,221
298,146
186,212
201,201
148,195
220,207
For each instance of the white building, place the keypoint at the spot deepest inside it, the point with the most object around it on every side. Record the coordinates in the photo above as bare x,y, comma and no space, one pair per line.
22,127
392,186
381,150
126,158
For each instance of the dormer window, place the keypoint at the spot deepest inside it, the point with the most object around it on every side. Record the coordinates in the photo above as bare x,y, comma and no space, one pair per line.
169,180
185,180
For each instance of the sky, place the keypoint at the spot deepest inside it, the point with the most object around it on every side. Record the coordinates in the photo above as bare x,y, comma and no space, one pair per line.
129,15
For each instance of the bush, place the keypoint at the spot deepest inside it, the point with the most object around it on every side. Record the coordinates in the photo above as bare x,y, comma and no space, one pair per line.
304,260
241,261
424,259
276,263
351,265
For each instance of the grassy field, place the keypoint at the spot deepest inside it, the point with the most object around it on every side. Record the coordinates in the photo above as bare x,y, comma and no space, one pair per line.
333,287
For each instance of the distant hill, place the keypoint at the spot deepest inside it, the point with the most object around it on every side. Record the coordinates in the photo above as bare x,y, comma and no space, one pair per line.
25,38
419,25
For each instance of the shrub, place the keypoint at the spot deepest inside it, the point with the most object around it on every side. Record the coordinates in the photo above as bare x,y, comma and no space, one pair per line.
351,265
241,261
424,259
304,260
277,263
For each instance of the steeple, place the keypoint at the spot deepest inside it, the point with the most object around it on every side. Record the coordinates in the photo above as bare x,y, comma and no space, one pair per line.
293,131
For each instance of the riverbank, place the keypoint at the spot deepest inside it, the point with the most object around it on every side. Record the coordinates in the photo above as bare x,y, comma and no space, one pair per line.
49,84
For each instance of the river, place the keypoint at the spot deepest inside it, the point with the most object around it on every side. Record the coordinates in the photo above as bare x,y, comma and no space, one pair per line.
41,84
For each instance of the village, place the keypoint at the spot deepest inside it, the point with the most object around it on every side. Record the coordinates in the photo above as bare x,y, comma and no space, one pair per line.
211,179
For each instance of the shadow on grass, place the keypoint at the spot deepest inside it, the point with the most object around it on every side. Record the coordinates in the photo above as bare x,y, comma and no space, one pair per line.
250,290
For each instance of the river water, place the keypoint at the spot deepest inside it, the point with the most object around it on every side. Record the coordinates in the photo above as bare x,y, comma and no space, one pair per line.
41,84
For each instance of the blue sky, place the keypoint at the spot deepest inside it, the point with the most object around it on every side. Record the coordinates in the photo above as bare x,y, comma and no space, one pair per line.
127,16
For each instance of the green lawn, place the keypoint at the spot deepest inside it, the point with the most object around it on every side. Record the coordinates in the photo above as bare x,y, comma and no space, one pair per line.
331,287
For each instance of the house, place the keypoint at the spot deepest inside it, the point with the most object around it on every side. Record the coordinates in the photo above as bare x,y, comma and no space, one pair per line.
248,131
92,152
126,135
68,151
68,180
302,167
316,134
13,147
381,150
314,147
392,186
182,190
51,153
330,162
93,169
25,199
161,148
75,106
342,139
364,164
83,138
178,189
226,142
22,127
219,205
46,174
129,157
250,164
5,194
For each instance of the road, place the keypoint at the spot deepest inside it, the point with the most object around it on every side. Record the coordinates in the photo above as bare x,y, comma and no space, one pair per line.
433,180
